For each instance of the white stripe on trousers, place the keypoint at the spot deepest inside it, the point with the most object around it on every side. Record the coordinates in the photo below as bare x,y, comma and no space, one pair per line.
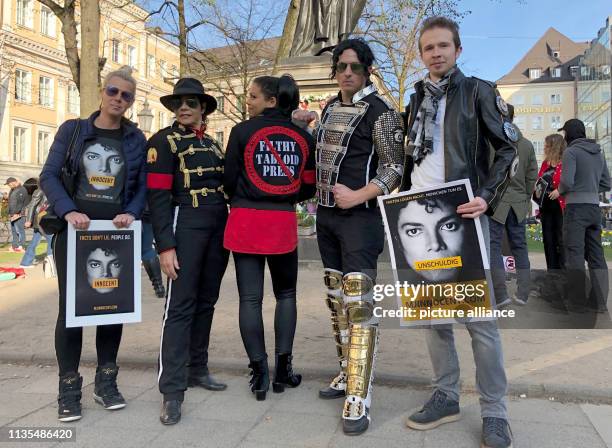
169,296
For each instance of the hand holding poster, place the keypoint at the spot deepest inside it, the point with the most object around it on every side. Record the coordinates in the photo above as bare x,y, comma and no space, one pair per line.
439,258
103,279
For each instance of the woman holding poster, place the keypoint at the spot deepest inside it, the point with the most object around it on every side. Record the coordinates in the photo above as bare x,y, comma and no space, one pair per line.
105,154
269,167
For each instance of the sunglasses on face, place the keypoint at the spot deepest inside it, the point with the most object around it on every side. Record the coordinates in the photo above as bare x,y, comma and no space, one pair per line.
113,91
192,103
356,67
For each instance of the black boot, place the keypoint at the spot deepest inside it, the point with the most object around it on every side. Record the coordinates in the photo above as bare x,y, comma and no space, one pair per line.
69,398
170,412
105,390
154,272
284,375
202,377
260,378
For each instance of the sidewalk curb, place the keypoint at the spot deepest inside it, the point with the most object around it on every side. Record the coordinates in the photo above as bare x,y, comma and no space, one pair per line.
552,392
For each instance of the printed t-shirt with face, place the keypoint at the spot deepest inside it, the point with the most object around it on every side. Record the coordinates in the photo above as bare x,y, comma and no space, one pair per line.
101,175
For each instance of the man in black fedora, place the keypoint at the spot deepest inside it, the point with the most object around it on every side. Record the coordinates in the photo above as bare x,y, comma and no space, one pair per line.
188,211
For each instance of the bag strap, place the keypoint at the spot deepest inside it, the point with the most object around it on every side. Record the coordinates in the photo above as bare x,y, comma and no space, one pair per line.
73,139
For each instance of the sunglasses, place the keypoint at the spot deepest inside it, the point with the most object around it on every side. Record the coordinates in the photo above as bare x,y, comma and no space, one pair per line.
113,91
356,67
176,103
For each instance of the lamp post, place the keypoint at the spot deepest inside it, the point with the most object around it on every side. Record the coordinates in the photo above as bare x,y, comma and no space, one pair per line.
145,117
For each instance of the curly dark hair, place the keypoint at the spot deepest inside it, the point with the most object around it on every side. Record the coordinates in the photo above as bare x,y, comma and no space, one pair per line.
359,46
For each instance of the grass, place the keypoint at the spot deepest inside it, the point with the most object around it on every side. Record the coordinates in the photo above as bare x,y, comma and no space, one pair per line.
538,247
15,258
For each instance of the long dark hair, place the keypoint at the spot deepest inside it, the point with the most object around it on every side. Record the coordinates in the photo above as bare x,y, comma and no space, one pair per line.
284,89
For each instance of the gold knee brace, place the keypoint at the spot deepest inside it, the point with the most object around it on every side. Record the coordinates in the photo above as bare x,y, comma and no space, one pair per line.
358,289
333,281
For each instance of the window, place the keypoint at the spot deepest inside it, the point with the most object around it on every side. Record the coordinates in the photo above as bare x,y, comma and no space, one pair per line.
537,123
73,100
220,103
23,86
45,91
44,142
518,100
605,70
115,50
588,97
47,21
219,138
585,71
538,147
537,100
19,144
573,70
25,9
240,104
535,73
605,96
555,122
555,98
150,66
162,120
131,56
555,72
556,54
519,122
163,68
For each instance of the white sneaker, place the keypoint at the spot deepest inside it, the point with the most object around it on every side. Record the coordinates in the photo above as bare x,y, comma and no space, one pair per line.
507,301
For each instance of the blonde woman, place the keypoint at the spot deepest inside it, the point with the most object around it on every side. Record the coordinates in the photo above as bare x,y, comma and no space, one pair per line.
106,144
551,211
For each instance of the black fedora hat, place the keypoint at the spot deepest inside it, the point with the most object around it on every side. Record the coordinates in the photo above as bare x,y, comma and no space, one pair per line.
190,86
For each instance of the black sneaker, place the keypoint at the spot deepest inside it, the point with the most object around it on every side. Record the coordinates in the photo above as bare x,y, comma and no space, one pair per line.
496,433
105,390
69,398
438,410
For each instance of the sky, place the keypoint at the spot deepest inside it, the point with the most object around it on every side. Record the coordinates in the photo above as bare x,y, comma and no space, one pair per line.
498,33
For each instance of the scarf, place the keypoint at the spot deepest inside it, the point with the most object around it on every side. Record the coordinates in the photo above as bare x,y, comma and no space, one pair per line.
421,135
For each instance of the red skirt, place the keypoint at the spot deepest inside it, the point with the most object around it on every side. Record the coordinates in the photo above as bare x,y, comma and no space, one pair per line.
262,232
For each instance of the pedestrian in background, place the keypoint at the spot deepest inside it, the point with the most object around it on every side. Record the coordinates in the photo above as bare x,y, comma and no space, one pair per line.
585,175
17,201
511,216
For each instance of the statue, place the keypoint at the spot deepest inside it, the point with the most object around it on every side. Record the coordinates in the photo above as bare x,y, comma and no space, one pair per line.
322,24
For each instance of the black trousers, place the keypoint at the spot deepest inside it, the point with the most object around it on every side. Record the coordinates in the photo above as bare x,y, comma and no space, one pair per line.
69,341
552,234
350,240
250,278
191,299
582,239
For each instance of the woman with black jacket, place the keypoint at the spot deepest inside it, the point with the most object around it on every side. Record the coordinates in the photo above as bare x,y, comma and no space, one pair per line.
108,156
269,167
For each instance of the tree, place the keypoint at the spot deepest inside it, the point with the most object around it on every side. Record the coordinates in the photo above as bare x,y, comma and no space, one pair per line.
86,74
391,27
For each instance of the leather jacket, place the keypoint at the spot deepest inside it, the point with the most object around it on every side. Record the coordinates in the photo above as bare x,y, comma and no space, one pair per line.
473,121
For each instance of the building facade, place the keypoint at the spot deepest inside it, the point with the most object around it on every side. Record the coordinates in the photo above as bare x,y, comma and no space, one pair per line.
542,87
594,85
37,93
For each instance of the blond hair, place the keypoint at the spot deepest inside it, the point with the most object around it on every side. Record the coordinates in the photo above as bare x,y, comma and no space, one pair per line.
557,145
125,73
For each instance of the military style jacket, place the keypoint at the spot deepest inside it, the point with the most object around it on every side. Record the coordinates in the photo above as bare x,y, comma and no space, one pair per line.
359,143
184,168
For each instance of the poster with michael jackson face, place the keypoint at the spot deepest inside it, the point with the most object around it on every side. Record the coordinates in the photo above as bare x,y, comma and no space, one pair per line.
439,259
103,277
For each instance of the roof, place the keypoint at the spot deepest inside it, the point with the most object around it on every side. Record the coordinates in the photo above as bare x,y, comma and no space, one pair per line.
541,56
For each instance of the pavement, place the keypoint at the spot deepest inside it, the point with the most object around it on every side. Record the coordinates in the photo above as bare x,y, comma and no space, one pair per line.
560,381
295,418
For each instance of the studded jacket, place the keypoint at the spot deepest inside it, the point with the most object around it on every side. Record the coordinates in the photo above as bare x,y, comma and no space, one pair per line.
475,118
184,168
359,143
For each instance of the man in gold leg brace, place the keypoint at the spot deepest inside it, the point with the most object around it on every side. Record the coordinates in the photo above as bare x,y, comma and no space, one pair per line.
359,156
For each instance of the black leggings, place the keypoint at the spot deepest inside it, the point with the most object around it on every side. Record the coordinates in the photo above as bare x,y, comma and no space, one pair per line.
69,341
250,277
